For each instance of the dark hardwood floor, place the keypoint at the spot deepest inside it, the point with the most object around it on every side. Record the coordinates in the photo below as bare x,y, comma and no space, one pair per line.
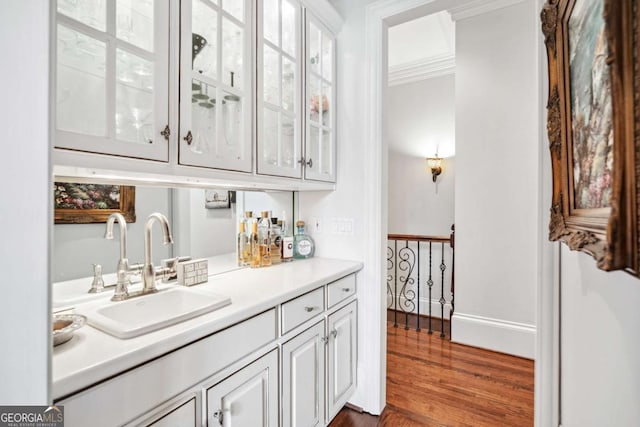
434,382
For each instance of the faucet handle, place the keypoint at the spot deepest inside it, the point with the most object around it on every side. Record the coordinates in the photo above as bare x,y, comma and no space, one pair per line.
97,285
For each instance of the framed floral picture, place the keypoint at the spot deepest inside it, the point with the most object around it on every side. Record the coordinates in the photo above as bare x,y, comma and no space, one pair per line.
91,203
591,123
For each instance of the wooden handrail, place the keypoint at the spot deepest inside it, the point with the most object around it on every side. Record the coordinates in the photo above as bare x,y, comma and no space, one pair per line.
418,238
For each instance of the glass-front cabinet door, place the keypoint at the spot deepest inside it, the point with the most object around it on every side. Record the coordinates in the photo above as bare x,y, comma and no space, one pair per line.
215,84
111,77
279,90
320,93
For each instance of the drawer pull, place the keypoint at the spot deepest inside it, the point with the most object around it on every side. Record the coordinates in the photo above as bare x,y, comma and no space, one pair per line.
346,289
219,415
309,309
325,340
334,333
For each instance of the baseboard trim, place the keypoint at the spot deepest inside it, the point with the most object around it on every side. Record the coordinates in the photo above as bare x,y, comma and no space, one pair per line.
503,336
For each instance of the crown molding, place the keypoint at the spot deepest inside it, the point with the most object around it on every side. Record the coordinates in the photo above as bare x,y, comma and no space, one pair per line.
422,69
478,7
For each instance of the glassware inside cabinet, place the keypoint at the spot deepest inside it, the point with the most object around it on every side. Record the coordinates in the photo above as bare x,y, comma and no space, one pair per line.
213,125
279,91
112,66
81,90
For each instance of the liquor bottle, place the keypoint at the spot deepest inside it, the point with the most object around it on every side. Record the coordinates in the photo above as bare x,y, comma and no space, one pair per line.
244,246
303,246
264,236
276,241
255,246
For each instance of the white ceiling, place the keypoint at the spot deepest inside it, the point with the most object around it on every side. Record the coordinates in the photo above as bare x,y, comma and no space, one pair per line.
421,40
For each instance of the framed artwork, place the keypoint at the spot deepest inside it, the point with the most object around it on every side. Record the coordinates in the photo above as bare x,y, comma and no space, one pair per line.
217,199
592,125
92,203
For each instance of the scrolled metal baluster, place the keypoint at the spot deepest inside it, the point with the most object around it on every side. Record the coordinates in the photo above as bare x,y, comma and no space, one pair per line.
395,286
390,266
406,263
418,288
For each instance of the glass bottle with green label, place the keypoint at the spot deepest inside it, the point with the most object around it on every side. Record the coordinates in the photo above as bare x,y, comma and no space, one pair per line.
303,246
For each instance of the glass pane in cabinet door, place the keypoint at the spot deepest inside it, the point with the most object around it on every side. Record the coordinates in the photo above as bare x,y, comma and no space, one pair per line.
326,153
327,55
134,22
235,8
232,52
315,99
271,20
326,105
288,84
203,118
271,76
287,143
289,28
232,126
90,12
81,83
314,48
314,144
270,137
204,27
134,98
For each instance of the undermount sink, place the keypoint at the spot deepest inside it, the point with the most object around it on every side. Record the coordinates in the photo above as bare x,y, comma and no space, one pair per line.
140,315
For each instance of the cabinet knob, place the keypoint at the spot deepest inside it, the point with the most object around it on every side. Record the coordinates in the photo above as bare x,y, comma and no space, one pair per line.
188,138
166,132
346,289
310,163
325,340
219,415
334,333
309,309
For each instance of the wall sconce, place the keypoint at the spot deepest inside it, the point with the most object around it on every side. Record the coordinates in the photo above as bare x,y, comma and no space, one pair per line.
435,164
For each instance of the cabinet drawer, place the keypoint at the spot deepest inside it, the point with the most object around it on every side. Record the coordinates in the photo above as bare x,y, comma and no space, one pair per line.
341,289
301,309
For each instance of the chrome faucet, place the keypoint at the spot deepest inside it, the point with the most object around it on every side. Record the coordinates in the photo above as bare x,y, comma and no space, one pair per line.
123,270
148,270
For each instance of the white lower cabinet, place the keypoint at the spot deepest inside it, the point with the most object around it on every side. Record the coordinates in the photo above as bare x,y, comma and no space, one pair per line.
303,393
342,357
249,397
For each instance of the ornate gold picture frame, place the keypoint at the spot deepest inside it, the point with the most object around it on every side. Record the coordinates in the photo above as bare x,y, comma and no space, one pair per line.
592,125
92,203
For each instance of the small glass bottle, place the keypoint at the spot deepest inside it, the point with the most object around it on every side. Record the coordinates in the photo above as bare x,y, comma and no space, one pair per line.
276,241
303,246
264,236
255,246
244,246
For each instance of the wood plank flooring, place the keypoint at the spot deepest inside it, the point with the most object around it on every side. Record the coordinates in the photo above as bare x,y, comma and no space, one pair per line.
434,382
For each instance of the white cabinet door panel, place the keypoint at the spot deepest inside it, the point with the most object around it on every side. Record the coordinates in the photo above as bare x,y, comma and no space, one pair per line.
247,398
303,369
342,333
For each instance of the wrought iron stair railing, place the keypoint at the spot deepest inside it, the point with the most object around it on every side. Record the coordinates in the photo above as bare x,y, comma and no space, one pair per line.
420,279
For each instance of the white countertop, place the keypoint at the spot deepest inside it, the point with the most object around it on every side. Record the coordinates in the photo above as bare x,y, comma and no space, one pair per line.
92,356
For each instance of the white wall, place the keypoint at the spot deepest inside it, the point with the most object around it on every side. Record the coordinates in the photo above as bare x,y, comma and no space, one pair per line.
24,212
77,246
421,117
600,345
416,204
497,161
349,201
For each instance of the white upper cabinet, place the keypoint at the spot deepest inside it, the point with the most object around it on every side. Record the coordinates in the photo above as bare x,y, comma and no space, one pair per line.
320,94
201,87
111,70
279,93
216,84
